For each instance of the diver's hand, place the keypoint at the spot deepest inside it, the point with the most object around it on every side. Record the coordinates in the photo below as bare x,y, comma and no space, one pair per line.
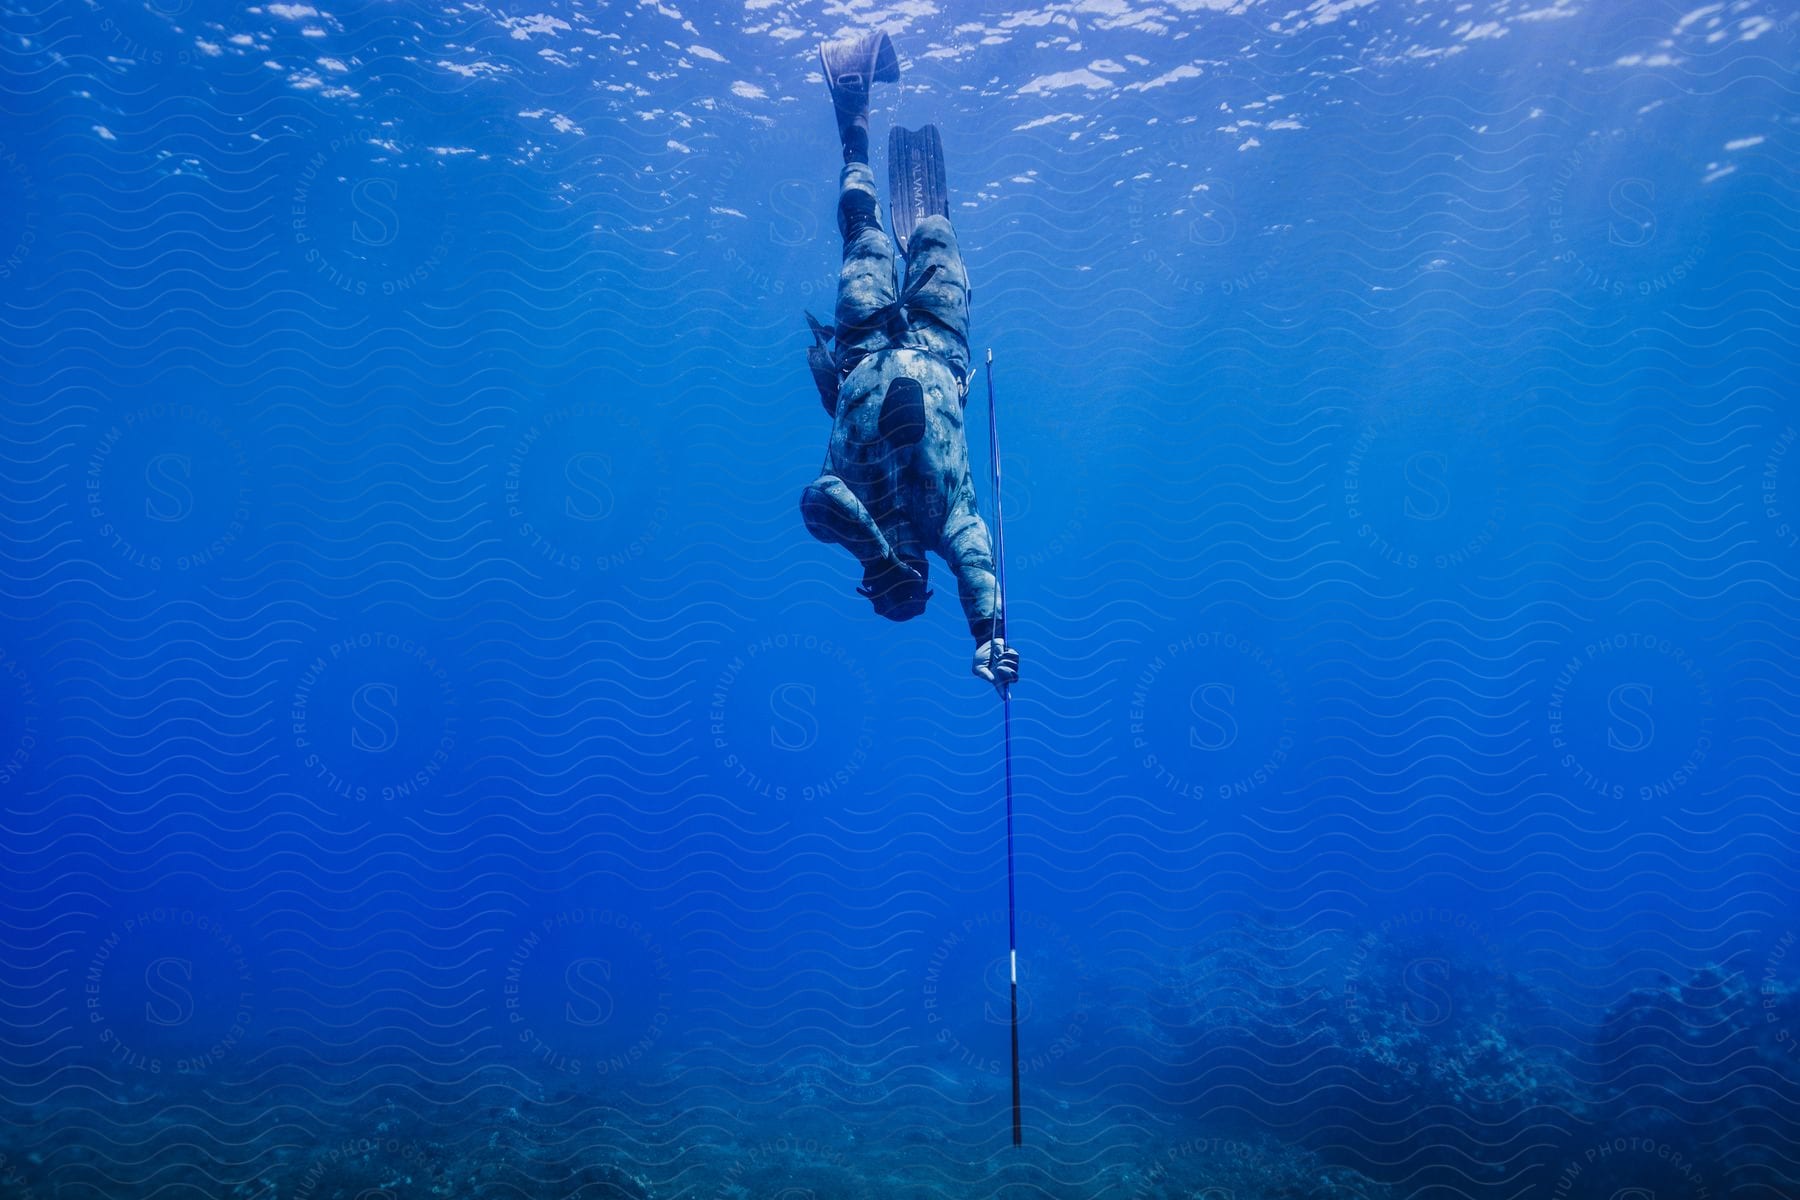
997,663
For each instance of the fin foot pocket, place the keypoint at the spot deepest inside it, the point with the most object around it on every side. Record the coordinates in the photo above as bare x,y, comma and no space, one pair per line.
853,65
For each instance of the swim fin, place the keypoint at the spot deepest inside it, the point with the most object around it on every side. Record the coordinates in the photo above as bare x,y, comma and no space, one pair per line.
853,65
916,187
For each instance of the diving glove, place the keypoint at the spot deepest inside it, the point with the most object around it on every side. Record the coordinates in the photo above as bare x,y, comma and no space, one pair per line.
997,663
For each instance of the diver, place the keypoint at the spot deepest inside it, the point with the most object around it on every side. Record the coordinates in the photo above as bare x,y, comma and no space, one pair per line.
896,481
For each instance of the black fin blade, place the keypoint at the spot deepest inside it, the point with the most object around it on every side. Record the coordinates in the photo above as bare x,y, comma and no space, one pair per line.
916,187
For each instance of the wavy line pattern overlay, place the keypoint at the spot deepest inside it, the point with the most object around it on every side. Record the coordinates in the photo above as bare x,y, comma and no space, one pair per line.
435,761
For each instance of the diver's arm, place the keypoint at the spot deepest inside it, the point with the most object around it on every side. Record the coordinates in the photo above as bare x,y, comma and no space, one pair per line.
971,557
965,546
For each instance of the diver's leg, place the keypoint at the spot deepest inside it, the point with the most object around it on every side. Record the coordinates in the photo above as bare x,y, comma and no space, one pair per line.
945,297
866,280
833,511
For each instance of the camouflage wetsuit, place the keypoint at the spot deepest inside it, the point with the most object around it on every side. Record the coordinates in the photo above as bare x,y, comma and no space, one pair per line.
900,486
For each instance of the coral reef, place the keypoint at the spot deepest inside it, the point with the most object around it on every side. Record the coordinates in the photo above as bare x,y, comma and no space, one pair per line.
1251,1168
1409,1054
1404,1062
1397,1052
1701,1086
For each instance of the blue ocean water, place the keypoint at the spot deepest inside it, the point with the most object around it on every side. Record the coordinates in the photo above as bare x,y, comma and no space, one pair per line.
437,762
